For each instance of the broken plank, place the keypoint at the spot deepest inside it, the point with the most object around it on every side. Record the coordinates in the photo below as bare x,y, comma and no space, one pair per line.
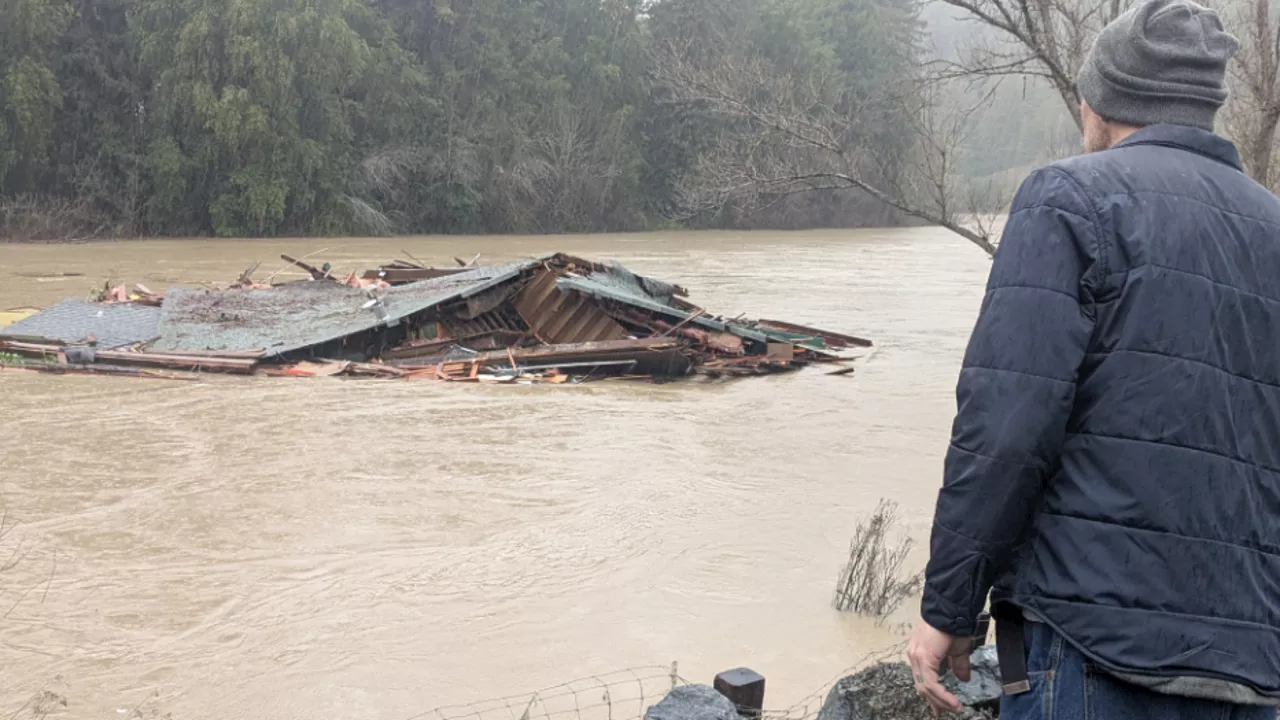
180,362
317,369
144,359
830,338
548,352
315,272
112,370
246,277
404,276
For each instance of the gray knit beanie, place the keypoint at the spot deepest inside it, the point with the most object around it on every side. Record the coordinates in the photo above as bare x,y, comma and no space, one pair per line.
1163,61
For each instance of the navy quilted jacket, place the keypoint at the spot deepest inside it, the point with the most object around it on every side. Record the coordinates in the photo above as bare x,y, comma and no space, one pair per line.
1115,460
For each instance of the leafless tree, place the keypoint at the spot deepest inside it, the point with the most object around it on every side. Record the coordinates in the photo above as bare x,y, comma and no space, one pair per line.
40,218
1046,39
562,172
566,174
787,131
382,182
1253,111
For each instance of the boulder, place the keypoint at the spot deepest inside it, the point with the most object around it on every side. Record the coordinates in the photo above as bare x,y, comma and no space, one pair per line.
693,702
983,690
887,692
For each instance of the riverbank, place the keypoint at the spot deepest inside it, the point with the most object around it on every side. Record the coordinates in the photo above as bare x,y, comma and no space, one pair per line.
881,219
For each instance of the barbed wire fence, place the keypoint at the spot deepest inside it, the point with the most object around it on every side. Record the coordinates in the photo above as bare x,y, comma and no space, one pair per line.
809,707
620,695
626,695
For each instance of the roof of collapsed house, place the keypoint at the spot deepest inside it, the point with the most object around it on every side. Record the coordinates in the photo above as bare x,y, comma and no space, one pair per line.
76,321
304,314
552,318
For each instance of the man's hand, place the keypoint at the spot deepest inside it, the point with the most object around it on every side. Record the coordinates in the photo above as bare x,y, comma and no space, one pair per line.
926,651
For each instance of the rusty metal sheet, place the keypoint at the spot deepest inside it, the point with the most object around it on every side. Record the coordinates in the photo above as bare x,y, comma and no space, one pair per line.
781,352
539,298
487,301
500,319
726,342
559,317
607,288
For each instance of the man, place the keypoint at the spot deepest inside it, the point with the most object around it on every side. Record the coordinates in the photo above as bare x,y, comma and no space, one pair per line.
1114,469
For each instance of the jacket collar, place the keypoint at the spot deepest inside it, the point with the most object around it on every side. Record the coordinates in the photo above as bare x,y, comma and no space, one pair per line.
1182,137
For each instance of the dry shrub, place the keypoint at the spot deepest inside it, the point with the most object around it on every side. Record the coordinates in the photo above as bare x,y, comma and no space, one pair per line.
34,218
870,584
45,703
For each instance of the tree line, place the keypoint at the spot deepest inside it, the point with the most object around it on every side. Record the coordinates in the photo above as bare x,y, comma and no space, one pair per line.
271,117
311,117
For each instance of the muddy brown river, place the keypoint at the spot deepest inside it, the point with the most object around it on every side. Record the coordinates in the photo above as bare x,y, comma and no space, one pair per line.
326,548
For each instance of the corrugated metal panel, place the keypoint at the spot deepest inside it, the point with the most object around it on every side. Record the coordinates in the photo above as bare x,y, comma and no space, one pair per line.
618,277
304,314
500,319
559,317
595,286
73,321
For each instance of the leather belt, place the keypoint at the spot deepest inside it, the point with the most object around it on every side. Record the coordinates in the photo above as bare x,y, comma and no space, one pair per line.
1011,648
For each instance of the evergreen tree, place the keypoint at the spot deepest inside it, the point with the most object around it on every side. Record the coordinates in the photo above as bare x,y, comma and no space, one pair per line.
267,117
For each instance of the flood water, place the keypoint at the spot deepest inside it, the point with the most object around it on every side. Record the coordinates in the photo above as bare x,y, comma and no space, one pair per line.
327,548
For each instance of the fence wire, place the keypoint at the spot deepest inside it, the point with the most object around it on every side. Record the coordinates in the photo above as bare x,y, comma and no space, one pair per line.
807,708
620,695
626,694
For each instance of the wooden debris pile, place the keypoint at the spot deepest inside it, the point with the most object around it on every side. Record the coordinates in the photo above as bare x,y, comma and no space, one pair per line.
140,294
550,319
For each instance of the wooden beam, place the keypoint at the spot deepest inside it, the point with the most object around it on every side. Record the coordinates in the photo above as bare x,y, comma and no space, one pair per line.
316,273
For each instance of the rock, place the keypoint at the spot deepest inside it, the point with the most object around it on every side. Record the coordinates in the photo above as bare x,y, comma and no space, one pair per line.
693,702
887,692
983,689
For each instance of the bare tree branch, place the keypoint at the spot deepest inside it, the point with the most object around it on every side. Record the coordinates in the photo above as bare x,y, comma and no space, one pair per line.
786,131
1049,39
1045,39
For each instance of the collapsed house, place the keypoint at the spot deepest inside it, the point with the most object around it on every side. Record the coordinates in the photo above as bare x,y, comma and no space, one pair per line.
553,318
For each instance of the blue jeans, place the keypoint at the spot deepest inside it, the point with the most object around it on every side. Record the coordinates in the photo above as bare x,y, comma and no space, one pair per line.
1067,686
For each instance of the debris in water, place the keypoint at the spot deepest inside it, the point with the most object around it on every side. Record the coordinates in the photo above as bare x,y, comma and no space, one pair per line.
13,315
551,319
